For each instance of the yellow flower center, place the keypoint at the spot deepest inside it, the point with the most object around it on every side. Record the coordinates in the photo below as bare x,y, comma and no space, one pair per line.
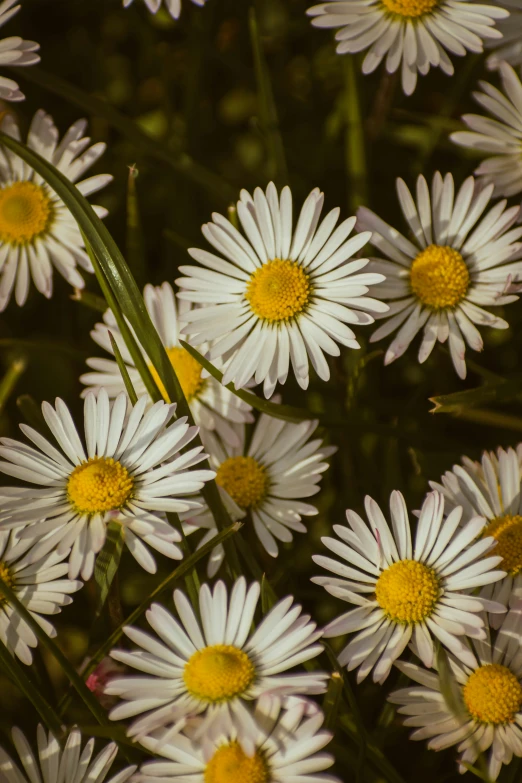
508,532
407,591
26,212
439,277
245,480
218,673
230,764
493,694
188,371
410,8
6,577
279,290
99,484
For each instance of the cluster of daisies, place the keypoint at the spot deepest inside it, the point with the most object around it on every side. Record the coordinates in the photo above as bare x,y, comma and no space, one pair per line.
216,689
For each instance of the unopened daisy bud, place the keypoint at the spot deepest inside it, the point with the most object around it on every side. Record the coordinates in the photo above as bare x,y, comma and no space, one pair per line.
213,666
98,680
408,591
129,470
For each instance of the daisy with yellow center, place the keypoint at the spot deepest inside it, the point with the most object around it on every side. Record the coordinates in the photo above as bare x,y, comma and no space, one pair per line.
37,231
275,295
456,262
492,489
408,591
413,35
129,471
284,743
213,406
40,583
216,665
489,688
265,481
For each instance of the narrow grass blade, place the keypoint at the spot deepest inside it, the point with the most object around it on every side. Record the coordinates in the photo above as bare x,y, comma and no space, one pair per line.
90,300
269,122
106,565
135,244
8,383
18,675
332,701
123,371
503,391
354,144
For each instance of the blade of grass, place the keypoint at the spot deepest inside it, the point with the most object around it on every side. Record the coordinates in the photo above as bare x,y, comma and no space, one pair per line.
181,164
355,149
268,119
31,692
123,370
8,383
491,419
503,391
135,243
332,701
90,300
106,565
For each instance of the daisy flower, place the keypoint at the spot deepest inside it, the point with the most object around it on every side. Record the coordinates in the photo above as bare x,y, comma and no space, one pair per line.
269,476
130,471
214,665
501,136
488,695
172,6
37,231
51,763
38,584
491,489
407,591
14,51
278,295
509,48
213,406
452,267
286,747
413,34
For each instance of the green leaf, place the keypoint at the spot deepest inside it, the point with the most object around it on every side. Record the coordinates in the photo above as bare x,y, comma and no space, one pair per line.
8,383
123,370
181,164
354,137
503,391
18,675
135,244
106,565
90,300
332,701
269,122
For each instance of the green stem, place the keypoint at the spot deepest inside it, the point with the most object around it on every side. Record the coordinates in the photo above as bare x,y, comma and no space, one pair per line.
123,370
12,376
355,150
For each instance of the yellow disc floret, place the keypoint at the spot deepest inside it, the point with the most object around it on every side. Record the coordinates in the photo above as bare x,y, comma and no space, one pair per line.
407,591
26,212
493,694
188,371
508,532
100,484
218,673
245,480
7,578
410,8
279,290
439,277
230,764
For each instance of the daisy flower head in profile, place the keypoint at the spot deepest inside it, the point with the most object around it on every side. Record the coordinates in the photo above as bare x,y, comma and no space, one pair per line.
284,746
72,764
487,709
38,583
129,470
213,406
457,262
406,590
37,231
509,48
269,477
276,294
500,135
491,489
14,51
216,664
413,35
172,6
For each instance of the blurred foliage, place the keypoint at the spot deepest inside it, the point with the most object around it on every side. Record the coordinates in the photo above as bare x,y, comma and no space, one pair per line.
193,89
